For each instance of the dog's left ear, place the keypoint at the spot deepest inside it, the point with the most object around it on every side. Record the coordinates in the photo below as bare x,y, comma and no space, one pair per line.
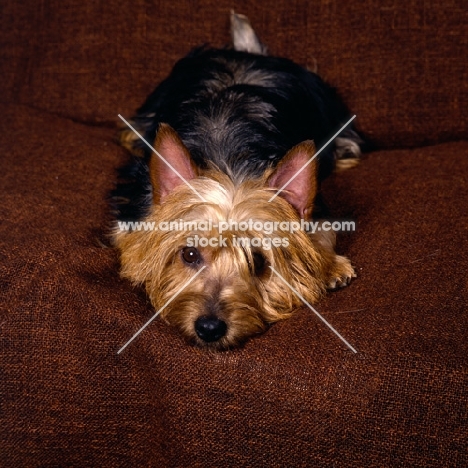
165,178
301,191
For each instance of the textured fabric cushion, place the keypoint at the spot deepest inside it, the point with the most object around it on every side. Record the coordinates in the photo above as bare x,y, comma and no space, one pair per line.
292,397
400,65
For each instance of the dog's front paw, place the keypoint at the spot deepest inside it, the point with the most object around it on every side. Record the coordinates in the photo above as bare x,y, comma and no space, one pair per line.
342,273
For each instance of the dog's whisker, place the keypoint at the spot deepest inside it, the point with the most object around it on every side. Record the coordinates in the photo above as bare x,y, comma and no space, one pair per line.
433,254
343,312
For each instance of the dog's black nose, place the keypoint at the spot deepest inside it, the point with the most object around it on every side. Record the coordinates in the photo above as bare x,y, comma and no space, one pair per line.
210,329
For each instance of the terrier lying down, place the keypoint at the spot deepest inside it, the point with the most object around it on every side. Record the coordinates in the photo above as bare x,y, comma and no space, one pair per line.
212,221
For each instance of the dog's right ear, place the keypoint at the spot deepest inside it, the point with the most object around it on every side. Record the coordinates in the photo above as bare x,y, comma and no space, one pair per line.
168,173
298,169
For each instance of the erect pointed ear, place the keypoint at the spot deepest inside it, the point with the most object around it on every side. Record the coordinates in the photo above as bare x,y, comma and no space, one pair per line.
165,178
301,191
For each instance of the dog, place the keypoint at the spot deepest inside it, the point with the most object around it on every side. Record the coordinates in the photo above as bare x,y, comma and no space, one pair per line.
234,133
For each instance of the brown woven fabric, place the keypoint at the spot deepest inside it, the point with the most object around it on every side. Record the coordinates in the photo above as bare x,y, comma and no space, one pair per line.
400,65
295,396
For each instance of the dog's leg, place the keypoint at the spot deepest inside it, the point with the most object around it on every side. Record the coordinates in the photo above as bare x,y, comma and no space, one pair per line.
244,37
340,271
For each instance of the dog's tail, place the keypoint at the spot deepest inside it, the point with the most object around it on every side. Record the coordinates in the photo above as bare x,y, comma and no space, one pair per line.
244,37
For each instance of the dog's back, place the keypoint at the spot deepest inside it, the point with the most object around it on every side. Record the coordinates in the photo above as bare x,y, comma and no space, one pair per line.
242,110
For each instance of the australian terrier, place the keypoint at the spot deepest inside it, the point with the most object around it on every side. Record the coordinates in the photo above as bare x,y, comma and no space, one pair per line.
207,218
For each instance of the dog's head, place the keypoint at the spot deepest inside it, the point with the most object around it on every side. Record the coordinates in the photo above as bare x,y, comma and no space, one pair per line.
222,259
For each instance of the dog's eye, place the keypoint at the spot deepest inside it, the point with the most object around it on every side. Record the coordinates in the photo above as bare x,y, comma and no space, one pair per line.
259,263
191,255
